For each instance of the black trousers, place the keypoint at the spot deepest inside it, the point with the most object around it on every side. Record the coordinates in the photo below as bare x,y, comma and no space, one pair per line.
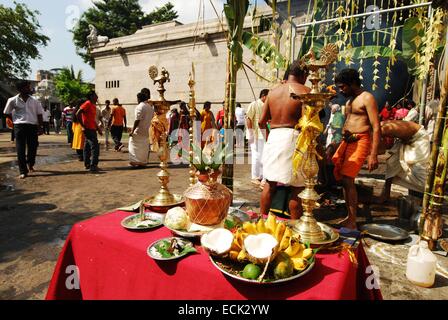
46,128
26,145
116,132
91,148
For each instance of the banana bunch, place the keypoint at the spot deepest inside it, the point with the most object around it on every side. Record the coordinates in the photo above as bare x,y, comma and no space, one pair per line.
288,241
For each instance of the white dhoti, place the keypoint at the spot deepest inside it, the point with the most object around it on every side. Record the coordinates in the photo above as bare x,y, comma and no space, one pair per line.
277,157
138,150
408,164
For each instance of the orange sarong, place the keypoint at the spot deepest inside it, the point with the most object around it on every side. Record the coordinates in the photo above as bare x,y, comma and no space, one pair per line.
350,156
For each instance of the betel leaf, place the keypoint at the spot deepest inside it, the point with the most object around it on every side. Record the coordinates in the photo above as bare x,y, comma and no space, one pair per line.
162,248
188,249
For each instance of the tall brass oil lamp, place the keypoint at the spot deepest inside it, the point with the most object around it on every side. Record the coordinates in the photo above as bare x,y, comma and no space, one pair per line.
307,226
163,200
192,109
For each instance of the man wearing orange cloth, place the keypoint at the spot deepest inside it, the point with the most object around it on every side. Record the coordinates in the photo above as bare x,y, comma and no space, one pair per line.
361,136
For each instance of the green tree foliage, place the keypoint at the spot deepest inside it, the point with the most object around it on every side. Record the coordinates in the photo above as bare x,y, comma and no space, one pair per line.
20,39
69,86
116,18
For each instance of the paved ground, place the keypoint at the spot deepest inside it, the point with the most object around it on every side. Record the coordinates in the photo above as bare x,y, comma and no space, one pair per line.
37,213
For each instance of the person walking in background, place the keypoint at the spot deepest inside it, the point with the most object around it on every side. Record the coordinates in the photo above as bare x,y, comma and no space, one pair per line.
173,127
106,114
139,136
220,118
207,123
183,134
87,118
78,133
26,114
240,117
57,117
255,137
116,122
67,122
46,120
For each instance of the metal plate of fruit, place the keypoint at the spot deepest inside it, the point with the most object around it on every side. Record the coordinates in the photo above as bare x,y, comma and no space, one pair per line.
261,252
242,272
135,222
170,248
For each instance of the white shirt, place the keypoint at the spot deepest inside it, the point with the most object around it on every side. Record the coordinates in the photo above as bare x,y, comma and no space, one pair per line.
23,112
254,114
240,116
143,112
46,115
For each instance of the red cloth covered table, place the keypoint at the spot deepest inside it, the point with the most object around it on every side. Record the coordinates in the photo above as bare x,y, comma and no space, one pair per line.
113,264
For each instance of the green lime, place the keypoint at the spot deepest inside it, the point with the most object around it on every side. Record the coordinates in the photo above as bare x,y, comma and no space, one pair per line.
251,271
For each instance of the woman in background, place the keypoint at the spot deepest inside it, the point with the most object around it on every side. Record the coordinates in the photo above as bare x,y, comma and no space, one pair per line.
78,134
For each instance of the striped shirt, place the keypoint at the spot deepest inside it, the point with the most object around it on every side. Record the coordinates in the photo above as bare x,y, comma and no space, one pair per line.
67,114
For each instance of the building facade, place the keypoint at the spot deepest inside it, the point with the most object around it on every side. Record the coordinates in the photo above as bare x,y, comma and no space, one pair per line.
122,64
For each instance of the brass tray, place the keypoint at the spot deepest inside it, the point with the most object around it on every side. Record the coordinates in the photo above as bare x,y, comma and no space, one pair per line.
385,232
331,235
232,270
150,204
131,222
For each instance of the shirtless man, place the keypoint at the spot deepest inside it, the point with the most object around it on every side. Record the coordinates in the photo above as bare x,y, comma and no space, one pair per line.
284,113
361,136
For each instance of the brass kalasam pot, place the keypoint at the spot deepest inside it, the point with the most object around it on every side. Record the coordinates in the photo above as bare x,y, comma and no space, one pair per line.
208,201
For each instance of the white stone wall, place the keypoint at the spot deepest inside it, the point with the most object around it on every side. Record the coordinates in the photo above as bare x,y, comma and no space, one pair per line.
173,46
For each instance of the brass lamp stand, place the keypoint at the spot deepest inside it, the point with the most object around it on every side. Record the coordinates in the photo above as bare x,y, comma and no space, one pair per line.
307,226
192,107
163,200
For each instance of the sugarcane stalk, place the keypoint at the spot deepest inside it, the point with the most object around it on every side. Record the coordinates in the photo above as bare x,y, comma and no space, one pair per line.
430,221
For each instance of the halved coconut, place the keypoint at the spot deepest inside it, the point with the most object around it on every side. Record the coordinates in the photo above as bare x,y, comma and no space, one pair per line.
217,242
260,247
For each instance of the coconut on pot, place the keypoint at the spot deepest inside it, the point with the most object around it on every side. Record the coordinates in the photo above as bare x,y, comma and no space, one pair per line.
217,242
261,247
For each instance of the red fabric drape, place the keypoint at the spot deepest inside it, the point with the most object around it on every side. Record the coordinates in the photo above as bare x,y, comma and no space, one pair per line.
113,264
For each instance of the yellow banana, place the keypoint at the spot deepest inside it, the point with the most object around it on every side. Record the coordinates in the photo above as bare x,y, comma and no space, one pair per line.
307,253
285,240
279,231
242,256
293,248
260,226
299,263
249,227
271,224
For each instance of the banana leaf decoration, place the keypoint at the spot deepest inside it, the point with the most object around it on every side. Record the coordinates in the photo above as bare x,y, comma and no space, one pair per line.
309,123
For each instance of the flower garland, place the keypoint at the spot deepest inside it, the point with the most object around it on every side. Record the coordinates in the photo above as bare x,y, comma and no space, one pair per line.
431,40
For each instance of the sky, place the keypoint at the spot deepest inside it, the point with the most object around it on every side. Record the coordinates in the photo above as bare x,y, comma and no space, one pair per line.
57,16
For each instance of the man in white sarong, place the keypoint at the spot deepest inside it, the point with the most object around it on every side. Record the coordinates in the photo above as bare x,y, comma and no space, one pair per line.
284,113
408,163
139,136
